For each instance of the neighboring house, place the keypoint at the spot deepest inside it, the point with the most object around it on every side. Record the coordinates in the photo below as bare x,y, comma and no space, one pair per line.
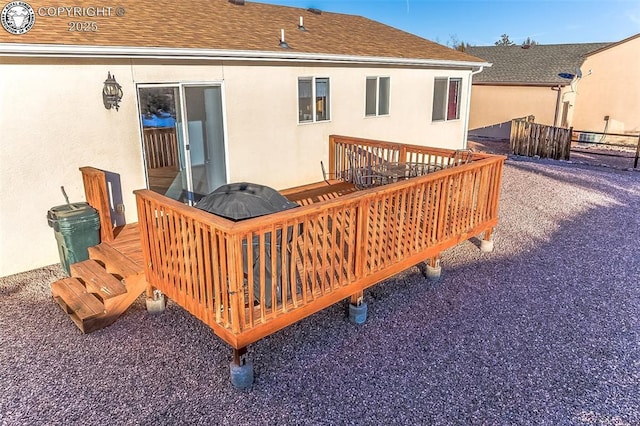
216,76
609,90
524,81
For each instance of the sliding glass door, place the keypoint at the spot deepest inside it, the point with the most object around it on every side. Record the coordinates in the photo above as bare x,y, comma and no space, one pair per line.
205,138
183,139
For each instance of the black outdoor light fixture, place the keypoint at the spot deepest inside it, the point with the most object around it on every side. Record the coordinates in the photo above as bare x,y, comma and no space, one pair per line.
112,92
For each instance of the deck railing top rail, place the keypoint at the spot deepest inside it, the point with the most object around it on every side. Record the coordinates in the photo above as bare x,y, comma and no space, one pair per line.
346,152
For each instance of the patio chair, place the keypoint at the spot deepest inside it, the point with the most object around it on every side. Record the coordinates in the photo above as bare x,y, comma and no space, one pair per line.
327,175
364,178
461,156
421,169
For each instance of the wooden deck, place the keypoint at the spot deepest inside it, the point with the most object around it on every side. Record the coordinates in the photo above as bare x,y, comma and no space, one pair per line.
161,178
249,279
318,192
127,242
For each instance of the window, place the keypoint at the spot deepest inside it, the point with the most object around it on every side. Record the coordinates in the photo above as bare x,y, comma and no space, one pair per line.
377,99
446,99
313,99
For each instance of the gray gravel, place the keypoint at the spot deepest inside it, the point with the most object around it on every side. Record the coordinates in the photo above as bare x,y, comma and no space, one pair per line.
594,155
544,330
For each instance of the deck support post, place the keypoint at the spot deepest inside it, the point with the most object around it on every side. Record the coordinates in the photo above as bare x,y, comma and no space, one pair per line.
155,303
433,270
357,308
486,244
241,369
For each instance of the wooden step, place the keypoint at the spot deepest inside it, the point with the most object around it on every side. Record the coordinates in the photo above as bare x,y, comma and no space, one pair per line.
114,261
97,280
76,301
93,298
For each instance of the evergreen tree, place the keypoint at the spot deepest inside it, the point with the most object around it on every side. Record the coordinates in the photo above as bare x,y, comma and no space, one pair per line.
504,41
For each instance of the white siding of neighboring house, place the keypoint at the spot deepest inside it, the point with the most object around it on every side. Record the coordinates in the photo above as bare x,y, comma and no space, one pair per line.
53,122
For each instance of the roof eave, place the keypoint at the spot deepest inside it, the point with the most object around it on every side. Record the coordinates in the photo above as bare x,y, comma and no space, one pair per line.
520,83
125,52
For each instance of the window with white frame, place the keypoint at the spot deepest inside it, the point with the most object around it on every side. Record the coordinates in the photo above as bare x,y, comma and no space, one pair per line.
446,99
313,99
377,96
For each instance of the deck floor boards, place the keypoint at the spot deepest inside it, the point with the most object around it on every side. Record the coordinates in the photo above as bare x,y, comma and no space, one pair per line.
127,242
317,192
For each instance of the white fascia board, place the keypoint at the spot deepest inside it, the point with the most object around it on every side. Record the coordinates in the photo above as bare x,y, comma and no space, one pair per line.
57,50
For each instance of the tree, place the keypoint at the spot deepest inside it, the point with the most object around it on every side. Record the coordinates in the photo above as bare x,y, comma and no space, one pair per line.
155,100
529,42
456,44
504,41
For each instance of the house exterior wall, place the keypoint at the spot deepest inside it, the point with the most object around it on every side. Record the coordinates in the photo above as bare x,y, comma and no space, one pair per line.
494,106
610,86
53,122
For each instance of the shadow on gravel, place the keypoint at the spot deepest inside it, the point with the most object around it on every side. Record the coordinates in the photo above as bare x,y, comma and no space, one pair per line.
545,330
597,178
611,158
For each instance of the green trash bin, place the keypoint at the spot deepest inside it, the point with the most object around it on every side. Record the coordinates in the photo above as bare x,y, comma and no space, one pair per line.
76,227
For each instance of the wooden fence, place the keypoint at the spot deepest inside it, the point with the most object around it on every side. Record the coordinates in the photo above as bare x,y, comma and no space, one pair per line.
249,279
160,147
530,139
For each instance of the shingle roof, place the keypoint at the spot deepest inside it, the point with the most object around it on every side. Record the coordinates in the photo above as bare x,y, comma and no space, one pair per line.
219,24
538,64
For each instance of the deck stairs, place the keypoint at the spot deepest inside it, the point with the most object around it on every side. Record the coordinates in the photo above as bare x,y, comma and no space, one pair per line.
100,289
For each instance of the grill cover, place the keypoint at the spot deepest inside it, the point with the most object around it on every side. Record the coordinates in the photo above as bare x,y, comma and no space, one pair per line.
244,200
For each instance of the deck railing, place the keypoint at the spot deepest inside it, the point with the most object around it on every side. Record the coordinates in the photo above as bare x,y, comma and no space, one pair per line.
348,152
249,279
97,195
160,147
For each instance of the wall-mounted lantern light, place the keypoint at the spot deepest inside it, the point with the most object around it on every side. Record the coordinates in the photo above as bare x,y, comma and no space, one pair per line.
112,92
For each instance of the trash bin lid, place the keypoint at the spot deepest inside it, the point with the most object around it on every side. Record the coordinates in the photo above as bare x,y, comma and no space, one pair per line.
73,212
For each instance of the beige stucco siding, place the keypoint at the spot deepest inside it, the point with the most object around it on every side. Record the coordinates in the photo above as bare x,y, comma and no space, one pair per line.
53,122
267,144
610,85
492,104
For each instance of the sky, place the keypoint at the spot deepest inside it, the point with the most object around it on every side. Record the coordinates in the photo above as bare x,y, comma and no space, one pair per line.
482,22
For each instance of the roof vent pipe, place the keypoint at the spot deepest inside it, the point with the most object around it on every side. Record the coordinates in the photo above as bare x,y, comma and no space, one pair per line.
301,25
283,43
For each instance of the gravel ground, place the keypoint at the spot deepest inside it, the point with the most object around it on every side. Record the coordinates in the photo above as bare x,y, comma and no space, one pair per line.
544,330
580,154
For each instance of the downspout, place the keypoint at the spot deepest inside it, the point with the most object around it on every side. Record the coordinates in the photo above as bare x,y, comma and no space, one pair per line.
466,119
555,116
